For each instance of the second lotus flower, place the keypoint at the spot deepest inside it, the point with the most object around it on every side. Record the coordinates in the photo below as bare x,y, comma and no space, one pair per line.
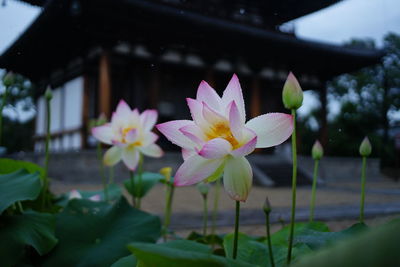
216,142
130,134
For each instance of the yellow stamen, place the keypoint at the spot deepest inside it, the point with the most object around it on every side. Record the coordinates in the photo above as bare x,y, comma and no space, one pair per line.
222,130
125,131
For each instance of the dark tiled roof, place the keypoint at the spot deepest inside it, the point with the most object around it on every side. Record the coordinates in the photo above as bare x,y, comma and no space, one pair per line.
65,31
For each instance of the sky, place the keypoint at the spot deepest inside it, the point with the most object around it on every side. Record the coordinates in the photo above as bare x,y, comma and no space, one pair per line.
335,24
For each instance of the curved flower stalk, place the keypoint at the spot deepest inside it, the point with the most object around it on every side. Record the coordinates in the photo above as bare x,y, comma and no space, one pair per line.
101,120
365,151
204,188
48,95
292,98
169,194
317,152
130,135
216,142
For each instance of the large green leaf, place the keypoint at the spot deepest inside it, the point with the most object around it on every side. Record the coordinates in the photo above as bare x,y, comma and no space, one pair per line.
18,186
128,261
11,165
96,233
315,239
27,229
207,239
249,250
372,248
257,253
114,193
281,237
280,253
149,180
180,253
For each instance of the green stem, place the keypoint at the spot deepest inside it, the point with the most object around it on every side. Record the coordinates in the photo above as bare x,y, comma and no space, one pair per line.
102,174
267,226
47,154
131,176
216,202
139,187
111,175
313,190
294,182
205,215
364,165
3,104
168,208
236,236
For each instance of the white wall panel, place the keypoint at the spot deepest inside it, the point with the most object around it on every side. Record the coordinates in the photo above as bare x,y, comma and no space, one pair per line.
73,103
66,114
55,106
76,141
40,116
66,141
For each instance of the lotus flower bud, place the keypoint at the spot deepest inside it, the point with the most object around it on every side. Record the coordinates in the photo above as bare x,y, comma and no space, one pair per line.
317,151
8,79
203,188
267,206
292,95
48,94
166,171
365,148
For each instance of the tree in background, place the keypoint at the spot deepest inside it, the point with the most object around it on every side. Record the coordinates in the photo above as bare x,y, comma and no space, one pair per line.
18,127
367,100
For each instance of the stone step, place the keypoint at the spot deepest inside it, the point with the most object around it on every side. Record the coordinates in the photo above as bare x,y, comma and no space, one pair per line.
256,216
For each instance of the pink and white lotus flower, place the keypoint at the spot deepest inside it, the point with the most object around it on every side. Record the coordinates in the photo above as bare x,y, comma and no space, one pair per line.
218,139
130,134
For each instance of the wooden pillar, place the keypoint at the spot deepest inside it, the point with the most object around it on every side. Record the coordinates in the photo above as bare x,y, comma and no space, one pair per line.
255,106
210,77
105,84
323,130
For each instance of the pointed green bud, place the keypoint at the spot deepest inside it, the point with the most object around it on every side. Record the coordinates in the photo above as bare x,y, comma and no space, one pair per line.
9,79
365,148
203,188
292,95
317,151
267,206
48,94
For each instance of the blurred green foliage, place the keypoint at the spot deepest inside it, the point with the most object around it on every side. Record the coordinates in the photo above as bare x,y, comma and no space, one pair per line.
18,130
18,135
366,98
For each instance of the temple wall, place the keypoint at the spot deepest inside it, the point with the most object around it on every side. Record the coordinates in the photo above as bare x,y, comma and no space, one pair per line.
66,117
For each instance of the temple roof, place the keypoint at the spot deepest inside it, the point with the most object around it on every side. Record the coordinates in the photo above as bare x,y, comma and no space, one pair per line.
68,30
261,11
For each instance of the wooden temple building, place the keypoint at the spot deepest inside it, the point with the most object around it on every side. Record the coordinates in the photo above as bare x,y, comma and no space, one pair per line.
154,53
